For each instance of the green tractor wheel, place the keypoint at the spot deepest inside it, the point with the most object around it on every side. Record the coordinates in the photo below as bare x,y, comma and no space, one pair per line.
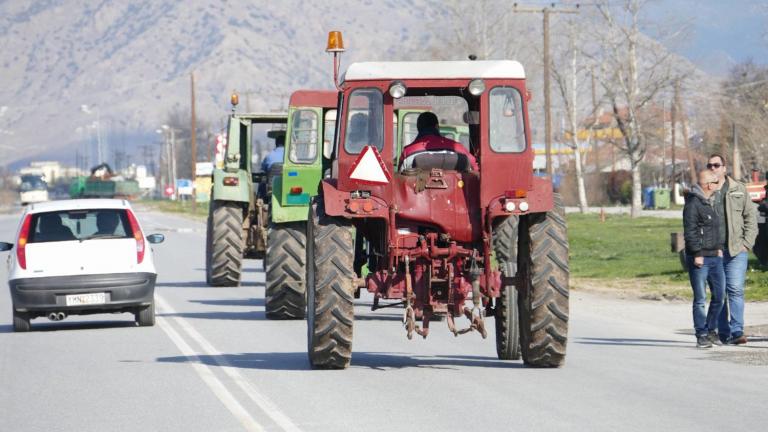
285,268
224,248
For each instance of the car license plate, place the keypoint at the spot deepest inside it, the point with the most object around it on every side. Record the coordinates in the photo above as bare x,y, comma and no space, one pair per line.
86,299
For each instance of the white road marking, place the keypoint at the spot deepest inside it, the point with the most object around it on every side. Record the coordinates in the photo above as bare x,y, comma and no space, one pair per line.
209,378
266,405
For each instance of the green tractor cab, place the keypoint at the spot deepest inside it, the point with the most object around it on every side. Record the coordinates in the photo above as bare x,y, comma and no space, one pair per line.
308,147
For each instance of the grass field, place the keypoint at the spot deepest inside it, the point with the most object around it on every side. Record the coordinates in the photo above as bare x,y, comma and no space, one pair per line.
636,252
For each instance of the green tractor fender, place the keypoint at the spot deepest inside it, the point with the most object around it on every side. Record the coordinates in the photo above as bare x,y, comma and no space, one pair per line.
234,190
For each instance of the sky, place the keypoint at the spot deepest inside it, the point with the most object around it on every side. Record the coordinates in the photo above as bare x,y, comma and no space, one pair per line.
722,32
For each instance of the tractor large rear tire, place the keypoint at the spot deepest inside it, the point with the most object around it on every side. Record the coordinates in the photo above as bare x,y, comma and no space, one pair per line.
208,244
507,316
224,254
286,271
330,302
543,298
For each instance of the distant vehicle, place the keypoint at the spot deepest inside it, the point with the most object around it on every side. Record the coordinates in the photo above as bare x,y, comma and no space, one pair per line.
104,183
33,189
80,257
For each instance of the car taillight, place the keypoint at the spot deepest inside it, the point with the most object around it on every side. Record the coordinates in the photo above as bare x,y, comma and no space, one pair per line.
21,244
138,236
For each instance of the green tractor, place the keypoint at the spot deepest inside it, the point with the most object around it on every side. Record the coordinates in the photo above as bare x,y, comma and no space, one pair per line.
311,121
237,215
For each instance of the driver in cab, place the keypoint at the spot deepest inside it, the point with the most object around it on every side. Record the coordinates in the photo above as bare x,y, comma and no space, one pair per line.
429,140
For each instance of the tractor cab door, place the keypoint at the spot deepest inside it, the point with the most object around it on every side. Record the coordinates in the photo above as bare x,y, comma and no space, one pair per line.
302,163
506,157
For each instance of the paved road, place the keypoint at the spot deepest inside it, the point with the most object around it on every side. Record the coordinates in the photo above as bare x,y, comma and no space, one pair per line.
213,363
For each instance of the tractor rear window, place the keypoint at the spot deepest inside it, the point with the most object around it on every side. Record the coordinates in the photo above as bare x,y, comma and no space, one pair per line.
507,127
365,121
79,225
304,125
450,112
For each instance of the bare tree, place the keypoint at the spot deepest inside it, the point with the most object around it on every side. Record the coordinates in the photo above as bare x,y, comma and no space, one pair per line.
569,82
630,85
745,112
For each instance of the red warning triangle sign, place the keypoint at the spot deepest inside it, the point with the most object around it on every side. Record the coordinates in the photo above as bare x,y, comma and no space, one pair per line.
370,168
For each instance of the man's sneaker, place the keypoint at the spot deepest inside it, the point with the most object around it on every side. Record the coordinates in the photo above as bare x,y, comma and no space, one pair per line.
714,338
737,340
703,342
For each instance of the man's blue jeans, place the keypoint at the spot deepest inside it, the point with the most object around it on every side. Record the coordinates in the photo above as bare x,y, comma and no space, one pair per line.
731,322
712,272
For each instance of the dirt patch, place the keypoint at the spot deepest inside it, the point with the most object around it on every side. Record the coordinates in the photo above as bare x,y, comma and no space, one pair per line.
639,289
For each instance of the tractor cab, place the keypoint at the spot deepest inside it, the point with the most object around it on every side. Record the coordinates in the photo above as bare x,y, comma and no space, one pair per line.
308,147
441,187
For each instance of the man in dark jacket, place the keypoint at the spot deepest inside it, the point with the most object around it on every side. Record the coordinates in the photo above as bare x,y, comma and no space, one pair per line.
704,245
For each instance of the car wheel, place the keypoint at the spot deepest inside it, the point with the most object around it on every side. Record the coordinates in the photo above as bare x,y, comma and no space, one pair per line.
21,322
145,317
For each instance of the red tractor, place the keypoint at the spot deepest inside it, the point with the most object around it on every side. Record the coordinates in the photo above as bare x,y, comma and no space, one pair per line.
433,233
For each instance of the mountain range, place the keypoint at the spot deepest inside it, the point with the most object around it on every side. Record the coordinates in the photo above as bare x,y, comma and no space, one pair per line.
67,63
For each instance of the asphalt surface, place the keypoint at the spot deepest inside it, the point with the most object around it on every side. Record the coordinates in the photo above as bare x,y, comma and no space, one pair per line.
213,363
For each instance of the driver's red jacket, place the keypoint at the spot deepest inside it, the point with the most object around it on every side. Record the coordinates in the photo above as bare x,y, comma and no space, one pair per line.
436,143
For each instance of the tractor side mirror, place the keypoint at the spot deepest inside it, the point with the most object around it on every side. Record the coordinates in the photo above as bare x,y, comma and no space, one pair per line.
472,117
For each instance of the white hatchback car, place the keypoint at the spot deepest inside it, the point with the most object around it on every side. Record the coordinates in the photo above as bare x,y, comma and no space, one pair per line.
79,257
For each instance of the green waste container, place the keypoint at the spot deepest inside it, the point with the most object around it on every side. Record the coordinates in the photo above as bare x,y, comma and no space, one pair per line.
661,198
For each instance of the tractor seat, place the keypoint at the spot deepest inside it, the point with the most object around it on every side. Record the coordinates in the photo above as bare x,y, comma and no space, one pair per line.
442,159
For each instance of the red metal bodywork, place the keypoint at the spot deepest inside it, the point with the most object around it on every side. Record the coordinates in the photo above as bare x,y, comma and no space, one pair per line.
314,98
436,226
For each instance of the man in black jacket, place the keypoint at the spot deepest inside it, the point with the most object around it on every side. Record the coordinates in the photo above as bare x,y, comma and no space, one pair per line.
704,248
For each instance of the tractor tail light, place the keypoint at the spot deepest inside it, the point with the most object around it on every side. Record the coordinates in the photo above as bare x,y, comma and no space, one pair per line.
138,236
517,193
21,244
231,181
296,190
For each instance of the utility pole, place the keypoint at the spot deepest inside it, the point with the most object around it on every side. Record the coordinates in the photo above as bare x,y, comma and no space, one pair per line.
193,140
546,11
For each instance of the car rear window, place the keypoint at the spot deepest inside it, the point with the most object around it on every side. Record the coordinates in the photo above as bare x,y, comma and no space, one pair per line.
79,225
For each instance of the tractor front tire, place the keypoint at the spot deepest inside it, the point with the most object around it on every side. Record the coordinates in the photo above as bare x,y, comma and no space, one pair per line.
224,254
285,265
543,297
330,302
507,315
